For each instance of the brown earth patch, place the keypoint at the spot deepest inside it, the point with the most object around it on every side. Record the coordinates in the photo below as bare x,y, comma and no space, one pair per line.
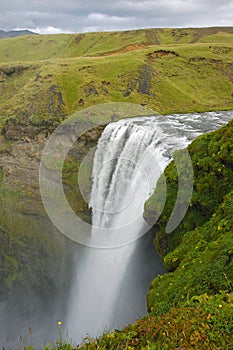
161,53
127,48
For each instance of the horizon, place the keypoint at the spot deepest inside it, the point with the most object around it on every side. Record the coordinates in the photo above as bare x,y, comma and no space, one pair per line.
110,31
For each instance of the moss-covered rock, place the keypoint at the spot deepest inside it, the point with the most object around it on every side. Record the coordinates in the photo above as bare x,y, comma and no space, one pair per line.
198,253
212,160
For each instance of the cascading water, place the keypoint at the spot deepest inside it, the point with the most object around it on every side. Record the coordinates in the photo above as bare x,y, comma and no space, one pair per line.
111,284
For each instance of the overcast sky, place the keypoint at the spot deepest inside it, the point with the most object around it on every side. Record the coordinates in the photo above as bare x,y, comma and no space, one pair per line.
55,16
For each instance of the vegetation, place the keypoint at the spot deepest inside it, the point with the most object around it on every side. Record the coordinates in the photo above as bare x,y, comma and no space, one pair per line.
202,323
43,80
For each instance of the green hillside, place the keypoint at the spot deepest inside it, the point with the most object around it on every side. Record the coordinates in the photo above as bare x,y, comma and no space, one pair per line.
44,47
48,77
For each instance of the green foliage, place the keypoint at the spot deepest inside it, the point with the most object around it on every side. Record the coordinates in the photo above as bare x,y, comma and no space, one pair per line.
198,254
211,156
203,323
43,47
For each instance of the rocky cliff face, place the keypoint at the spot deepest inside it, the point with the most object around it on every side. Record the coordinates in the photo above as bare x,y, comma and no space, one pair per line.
30,243
36,260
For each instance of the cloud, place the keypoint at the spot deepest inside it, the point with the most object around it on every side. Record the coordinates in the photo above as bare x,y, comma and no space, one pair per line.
54,16
48,30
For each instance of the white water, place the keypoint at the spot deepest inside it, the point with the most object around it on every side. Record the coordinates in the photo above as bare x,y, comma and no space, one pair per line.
130,156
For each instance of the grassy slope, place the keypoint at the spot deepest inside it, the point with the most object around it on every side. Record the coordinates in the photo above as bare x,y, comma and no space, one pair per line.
194,74
196,253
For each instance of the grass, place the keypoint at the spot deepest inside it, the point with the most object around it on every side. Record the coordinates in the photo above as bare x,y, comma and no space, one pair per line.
52,76
202,323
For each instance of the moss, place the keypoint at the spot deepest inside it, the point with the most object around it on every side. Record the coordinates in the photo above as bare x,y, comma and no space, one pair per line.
211,156
203,323
198,253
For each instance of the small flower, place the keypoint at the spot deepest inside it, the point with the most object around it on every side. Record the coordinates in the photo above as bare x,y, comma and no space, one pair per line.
220,305
59,323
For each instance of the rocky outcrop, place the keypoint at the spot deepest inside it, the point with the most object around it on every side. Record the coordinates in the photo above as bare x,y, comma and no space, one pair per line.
36,260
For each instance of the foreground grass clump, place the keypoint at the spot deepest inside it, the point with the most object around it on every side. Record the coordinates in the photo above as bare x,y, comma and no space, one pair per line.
204,322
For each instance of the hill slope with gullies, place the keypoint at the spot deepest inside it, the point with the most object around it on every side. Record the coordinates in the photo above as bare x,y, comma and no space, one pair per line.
48,77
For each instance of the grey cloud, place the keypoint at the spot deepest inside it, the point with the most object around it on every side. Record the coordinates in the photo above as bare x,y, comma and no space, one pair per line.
79,16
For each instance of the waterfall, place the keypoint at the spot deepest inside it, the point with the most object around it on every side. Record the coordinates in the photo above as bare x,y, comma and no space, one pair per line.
130,156
111,284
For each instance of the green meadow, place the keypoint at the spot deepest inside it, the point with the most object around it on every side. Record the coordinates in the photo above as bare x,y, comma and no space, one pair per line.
168,70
